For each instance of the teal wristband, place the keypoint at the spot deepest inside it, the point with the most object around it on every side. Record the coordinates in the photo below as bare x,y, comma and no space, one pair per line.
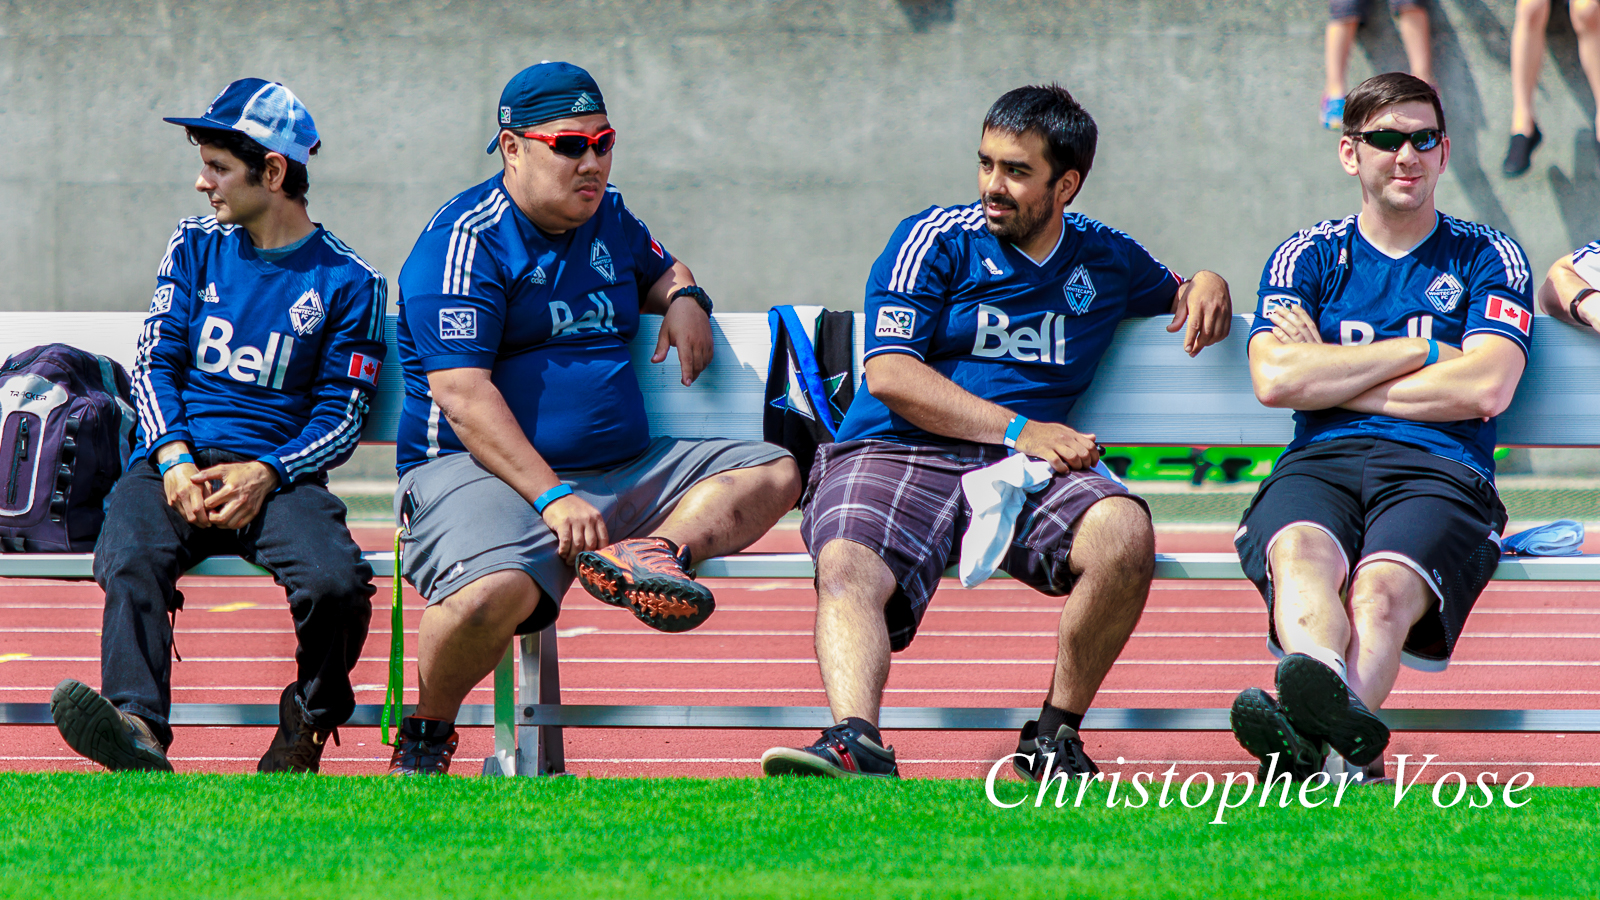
550,496
1014,431
178,460
1433,353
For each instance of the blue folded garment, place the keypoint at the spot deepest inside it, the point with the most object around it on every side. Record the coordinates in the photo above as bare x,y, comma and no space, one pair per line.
1560,538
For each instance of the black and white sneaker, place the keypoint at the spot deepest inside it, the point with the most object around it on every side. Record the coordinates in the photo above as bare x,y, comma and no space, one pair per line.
843,751
1318,702
1263,730
95,728
1041,758
298,745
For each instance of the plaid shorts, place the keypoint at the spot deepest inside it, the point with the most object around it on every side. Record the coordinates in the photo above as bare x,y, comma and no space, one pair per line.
905,504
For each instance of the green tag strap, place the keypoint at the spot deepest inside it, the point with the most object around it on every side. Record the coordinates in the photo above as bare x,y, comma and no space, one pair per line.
397,652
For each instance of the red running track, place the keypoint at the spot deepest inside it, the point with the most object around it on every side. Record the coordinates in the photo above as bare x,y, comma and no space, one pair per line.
1199,643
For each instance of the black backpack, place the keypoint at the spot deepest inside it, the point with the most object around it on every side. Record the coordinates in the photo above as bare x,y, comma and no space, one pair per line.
66,430
810,381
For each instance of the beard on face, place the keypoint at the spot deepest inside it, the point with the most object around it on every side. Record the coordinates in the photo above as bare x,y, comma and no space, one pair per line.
1019,227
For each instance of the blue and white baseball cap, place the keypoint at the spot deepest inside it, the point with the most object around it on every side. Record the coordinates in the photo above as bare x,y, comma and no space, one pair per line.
264,111
544,93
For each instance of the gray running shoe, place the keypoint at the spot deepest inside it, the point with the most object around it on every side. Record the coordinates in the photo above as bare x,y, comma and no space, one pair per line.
842,752
94,728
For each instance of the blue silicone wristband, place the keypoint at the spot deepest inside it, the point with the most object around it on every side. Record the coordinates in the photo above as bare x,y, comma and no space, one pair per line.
1433,353
178,460
1014,431
550,496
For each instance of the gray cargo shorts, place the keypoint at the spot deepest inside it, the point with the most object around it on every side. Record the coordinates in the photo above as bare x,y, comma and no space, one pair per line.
460,522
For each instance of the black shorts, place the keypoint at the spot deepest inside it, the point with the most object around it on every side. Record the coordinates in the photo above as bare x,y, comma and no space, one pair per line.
905,504
1380,500
1357,9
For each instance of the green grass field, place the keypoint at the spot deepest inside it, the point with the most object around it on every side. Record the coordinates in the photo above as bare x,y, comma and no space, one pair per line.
83,835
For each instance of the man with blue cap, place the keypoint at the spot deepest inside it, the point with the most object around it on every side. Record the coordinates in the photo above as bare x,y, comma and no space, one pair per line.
253,377
524,451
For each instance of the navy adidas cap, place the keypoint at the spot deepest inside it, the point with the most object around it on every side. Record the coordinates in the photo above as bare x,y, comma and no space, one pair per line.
264,111
544,93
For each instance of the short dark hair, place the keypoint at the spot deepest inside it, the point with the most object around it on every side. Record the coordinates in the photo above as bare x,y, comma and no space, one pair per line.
1049,111
296,181
1382,91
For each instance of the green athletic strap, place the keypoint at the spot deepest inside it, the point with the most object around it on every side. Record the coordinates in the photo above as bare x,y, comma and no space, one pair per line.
397,653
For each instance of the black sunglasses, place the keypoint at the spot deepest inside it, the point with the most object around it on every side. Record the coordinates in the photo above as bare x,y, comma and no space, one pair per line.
574,144
1388,140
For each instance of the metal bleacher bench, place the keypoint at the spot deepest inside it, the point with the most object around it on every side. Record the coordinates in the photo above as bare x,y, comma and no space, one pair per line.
1147,392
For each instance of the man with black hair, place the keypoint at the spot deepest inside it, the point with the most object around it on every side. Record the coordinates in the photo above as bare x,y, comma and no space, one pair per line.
984,326
252,380
1397,335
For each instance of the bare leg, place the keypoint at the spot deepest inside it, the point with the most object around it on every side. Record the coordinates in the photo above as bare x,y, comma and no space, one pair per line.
852,639
730,510
1307,577
1586,22
1341,36
1414,34
462,639
1386,599
1113,555
1527,55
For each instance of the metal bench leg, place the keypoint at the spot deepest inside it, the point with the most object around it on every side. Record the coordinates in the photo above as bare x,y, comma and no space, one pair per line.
504,760
539,748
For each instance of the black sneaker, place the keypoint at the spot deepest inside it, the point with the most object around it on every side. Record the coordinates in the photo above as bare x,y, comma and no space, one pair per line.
423,747
1318,702
1263,730
94,728
298,745
1042,758
842,752
1519,155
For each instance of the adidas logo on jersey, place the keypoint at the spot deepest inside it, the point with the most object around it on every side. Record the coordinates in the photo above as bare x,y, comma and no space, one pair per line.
208,294
1022,344
993,269
266,368
585,104
538,276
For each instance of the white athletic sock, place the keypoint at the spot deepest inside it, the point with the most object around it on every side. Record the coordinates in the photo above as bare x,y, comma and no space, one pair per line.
1331,659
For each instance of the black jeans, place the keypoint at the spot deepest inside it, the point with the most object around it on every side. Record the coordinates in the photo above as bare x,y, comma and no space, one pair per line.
299,536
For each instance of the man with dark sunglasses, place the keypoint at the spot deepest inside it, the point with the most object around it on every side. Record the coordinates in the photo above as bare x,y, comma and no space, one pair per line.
985,323
524,451
1397,335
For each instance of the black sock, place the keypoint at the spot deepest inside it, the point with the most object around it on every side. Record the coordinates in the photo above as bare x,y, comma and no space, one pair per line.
430,730
866,728
1051,718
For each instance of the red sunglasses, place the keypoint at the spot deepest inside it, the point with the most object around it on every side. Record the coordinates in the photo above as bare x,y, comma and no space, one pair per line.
573,144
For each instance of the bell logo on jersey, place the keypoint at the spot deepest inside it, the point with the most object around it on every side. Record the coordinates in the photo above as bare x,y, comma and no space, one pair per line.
247,364
1353,333
600,258
1445,292
602,318
895,322
1079,291
1508,313
364,368
1022,344
306,313
458,324
161,303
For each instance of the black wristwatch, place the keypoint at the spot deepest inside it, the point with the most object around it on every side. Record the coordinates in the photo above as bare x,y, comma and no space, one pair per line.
1573,306
699,294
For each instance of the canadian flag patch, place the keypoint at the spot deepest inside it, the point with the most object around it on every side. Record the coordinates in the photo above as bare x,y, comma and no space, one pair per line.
364,367
1508,313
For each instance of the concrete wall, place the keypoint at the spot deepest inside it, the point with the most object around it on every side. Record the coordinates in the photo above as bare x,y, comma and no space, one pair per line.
772,143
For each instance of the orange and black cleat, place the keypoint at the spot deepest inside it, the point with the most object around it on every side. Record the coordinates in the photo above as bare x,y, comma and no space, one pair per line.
648,576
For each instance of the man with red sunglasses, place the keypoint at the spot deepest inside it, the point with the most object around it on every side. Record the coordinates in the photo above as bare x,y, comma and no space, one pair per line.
523,447
1397,335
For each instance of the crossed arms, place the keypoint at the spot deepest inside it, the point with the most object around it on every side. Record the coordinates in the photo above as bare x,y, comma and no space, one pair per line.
1291,368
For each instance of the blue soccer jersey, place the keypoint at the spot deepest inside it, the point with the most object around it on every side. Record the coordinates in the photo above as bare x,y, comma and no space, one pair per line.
982,313
1586,262
274,360
549,316
1464,279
